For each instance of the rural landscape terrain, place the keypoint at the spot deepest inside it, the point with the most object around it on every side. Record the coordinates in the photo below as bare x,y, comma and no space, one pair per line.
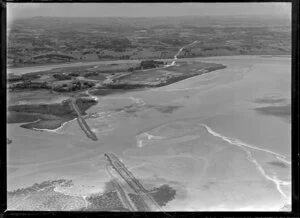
149,114
41,40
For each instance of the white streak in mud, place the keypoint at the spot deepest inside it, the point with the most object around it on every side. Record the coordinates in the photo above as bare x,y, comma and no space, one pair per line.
90,95
239,143
138,101
283,160
152,136
135,100
244,146
140,143
85,201
94,97
175,58
273,179
149,137
34,121
95,130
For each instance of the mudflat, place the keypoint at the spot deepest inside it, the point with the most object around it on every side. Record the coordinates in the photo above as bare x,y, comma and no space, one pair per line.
202,136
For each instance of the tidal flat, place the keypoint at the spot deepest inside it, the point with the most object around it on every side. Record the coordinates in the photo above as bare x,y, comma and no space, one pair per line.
214,138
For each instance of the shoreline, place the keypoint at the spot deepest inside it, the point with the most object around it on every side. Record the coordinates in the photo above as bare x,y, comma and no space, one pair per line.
53,130
87,63
61,114
114,91
130,60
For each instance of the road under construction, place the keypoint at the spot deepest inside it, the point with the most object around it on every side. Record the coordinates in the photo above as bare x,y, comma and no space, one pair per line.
82,123
122,194
146,199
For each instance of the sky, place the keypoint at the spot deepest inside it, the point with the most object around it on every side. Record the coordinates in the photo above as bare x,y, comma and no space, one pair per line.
22,10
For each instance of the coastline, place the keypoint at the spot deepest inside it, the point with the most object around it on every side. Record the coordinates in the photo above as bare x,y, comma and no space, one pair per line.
267,188
45,67
54,130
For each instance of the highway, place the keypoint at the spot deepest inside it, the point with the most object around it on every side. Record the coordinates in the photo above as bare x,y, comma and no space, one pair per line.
123,196
82,123
134,183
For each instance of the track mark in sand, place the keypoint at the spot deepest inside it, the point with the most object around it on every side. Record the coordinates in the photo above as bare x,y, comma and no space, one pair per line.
244,146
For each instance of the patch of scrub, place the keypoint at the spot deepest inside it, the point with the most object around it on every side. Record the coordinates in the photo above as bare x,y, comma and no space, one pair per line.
282,111
270,100
278,164
165,108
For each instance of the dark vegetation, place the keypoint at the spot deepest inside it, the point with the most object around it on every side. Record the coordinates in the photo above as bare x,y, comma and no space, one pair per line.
270,100
24,77
124,86
30,85
90,74
60,76
138,202
148,64
71,86
110,200
54,56
56,40
165,109
278,164
283,111
73,74
163,194
105,202
48,116
8,141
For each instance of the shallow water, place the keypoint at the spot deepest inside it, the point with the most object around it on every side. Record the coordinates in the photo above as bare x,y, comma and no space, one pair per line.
213,146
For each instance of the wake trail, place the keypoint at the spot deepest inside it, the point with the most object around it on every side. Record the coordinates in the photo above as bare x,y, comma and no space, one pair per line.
250,157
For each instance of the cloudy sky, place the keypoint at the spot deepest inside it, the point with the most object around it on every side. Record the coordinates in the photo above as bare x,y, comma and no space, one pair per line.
144,9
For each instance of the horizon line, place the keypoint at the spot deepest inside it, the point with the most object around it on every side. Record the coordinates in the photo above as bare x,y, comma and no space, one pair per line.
219,15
